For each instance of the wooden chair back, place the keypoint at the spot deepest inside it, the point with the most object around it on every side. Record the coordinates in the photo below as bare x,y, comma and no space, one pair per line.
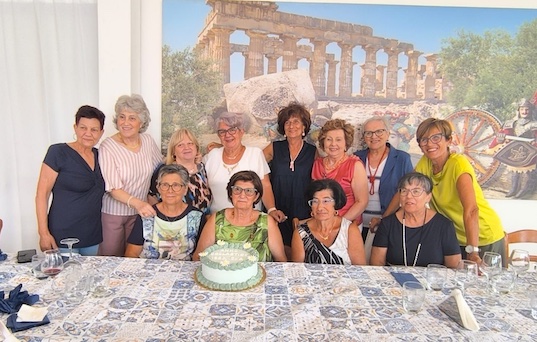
521,236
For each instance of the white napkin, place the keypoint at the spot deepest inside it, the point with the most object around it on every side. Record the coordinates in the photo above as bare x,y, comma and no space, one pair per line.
457,309
8,336
30,314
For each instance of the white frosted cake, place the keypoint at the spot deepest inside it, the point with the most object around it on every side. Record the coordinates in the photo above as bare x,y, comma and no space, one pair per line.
229,266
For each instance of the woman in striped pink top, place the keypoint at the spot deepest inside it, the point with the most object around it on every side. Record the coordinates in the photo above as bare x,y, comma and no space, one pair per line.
128,159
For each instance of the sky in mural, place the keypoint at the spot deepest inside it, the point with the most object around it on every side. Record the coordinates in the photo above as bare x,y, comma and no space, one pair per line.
423,26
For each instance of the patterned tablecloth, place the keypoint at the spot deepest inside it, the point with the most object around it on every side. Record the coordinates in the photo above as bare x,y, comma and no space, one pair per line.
155,300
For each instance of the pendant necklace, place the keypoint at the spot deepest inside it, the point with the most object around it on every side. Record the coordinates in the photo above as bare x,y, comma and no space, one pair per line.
404,240
372,175
292,163
230,168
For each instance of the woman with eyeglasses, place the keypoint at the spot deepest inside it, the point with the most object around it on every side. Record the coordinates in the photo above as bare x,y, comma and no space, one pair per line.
222,162
242,222
327,238
415,235
183,148
384,166
173,232
456,193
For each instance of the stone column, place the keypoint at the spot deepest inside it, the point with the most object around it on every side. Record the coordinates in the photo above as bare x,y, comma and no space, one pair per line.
317,67
331,83
411,74
255,57
221,52
289,61
379,79
272,67
345,70
370,66
391,72
430,75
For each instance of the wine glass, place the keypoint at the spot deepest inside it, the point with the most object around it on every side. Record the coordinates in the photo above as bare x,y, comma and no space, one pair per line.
53,263
70,242
491,264
466,273
519,262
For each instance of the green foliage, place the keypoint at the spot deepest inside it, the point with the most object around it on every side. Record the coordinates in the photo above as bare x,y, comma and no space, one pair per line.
190,91
491,71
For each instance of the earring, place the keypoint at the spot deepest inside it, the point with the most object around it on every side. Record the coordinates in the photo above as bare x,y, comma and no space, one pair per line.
336,213
400,205
427,206
303,134
312,214
285,136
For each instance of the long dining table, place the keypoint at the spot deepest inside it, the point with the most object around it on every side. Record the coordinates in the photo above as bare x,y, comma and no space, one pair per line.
159,300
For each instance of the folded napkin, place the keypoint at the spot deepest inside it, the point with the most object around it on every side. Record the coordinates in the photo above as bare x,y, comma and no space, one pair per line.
15,300
20,326
8,336
403,277
458,310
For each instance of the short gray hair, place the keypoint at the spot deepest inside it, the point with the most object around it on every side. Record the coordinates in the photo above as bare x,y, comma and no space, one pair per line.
416,177
230,119
383,119
136,104
174,169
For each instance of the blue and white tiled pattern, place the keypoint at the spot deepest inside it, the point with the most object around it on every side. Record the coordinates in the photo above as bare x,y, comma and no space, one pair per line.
158,300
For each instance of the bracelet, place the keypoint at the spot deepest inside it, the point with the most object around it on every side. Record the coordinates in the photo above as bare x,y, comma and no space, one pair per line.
271,210
129,202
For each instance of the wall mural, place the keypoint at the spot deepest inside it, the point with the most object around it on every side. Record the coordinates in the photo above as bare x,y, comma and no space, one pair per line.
254,58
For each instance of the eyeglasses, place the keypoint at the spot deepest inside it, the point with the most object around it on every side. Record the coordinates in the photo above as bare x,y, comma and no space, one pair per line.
236,190
181,146
435,139
378,133
175,186
324,201
416,192
231,131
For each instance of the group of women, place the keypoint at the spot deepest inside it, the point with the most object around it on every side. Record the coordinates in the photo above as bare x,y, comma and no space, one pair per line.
289,200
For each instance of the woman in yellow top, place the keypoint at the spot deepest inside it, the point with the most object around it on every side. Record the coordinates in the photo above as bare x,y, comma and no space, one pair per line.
456,193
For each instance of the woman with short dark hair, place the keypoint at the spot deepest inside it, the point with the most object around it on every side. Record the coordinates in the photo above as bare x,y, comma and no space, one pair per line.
242,222
327,238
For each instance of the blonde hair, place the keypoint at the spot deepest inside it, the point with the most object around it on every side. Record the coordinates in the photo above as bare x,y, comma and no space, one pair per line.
176,137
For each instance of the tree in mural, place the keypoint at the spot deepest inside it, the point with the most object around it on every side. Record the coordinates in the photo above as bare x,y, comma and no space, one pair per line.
491,71
190,91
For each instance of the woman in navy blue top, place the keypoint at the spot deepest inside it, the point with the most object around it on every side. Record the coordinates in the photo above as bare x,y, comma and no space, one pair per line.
71,172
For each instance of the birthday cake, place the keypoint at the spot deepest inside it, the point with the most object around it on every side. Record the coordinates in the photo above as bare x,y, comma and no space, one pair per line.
229,266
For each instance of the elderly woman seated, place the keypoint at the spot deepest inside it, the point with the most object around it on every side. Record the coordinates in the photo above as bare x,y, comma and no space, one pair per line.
243,223
415,235
327,238
174,231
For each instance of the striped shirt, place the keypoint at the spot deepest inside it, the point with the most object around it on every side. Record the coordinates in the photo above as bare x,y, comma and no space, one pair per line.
127,170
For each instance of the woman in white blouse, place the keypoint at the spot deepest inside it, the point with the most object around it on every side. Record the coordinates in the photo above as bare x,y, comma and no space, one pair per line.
128,159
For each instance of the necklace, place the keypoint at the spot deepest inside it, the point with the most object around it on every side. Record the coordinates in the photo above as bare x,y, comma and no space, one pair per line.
335,165
127,146
292,163
372,175
328,235
404,240
230,168
235,155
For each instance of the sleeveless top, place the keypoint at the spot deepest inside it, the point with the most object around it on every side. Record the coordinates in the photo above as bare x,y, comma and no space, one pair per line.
315,252
256,234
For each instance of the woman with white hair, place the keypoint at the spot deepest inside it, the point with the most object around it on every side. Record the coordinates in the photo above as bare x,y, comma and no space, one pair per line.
128,159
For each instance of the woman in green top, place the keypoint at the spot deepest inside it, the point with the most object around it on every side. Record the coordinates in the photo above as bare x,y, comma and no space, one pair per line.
243,223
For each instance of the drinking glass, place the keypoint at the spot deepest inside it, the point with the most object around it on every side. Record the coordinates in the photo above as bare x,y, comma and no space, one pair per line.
491,263
37,260
466,273
413,296
73,284
436,276
519,262
70,242
101,284
503,281
53,263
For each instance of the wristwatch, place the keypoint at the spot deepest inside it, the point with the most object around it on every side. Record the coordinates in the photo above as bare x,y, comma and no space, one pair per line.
471,249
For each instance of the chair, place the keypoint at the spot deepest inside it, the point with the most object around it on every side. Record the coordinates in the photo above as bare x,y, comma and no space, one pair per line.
521,236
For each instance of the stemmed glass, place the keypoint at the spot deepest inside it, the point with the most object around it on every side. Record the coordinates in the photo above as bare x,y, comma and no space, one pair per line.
70,242
53,263
466,273
491,264
520,262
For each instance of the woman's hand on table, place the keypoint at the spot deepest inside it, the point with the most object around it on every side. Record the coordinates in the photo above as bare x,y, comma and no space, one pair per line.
46,242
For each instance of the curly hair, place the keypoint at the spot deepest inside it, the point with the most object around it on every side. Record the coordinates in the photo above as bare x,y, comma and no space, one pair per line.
296,110
135,104
334,124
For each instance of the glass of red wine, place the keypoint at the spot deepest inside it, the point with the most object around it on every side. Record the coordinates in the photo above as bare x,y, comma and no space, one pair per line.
53,263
